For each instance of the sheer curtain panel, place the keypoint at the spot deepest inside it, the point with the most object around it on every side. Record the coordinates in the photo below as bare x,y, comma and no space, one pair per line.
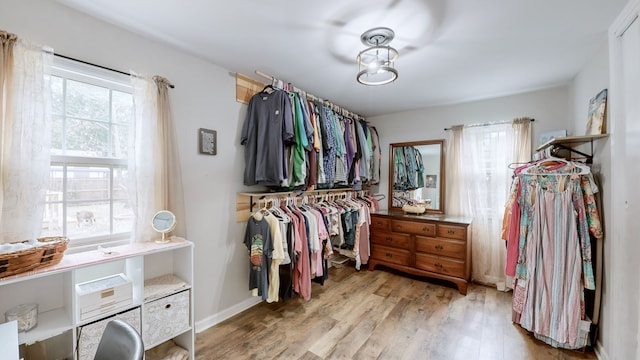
154,165
25,136
479,176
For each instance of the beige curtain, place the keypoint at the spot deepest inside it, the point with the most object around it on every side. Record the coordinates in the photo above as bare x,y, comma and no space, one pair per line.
454,205
7,40
154,165
25,136
479,180
169,172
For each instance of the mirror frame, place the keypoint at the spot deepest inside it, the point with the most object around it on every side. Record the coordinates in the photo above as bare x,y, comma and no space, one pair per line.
163,231
441,181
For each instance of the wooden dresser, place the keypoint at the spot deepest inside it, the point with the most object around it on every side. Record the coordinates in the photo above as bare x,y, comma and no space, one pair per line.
436,246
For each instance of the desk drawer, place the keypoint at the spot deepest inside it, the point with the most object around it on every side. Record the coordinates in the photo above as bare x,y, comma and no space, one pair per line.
380,223
441,247
418,228
391,239
451,267
396,256
452,232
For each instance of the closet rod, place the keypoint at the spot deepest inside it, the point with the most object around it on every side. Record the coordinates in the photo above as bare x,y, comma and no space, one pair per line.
98,66
332,105
487,124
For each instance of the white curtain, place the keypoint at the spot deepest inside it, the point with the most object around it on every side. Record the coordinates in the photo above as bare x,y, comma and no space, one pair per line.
479,181
154,167
25,137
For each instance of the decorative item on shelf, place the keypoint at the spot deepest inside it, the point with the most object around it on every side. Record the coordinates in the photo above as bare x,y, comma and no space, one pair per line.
23,256
550,135
25,314
164,221
414,209
597,118
101,296
376,63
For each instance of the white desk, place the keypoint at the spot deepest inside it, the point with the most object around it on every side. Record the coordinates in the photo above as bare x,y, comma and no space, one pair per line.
9,340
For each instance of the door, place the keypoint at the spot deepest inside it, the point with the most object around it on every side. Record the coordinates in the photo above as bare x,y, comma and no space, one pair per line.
624,227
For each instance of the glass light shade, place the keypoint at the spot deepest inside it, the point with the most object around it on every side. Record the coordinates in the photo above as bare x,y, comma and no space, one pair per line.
375,65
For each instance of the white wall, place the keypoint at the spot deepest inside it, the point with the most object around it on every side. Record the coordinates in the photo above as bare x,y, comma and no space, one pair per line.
594,77
547,107
204,97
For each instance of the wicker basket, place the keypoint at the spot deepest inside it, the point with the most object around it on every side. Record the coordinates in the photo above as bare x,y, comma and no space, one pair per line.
49,253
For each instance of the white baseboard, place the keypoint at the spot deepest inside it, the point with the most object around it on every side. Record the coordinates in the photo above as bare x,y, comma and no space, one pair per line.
601,353
214,319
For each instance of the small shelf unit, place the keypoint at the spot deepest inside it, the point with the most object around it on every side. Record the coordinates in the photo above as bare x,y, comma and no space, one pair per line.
156,271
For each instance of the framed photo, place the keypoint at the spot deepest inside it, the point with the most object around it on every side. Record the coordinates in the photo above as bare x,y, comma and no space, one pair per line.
547,136
207,142
597,117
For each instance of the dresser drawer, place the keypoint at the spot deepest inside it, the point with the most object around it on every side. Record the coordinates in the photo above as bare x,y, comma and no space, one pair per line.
441,247
452,232
394,240
411,227
380,223
451,267
396,256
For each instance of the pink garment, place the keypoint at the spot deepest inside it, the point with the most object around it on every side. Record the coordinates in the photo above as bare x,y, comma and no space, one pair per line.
513,239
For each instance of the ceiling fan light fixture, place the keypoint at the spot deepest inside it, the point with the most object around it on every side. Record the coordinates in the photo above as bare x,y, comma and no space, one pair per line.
376,63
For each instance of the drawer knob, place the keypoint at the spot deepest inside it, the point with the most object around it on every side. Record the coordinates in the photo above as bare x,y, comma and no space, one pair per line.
389,239
425,229
167,306
439,247
379,223
438,265
451,232
399,226
389,254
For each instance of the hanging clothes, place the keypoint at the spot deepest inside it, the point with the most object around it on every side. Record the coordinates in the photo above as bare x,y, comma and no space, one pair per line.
268,126
258,241
548,219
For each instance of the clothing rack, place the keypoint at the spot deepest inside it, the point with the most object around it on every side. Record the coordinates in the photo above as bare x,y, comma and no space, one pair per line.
290,87
248,202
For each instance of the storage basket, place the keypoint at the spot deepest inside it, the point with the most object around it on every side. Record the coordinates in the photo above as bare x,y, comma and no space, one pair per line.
48,252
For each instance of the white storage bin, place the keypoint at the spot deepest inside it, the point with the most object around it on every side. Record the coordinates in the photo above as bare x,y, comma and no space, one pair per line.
89,335
104,295
165,318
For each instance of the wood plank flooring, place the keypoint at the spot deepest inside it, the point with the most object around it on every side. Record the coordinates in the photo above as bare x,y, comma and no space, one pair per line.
379,314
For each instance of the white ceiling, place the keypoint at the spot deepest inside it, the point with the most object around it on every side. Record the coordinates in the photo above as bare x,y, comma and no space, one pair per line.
450,50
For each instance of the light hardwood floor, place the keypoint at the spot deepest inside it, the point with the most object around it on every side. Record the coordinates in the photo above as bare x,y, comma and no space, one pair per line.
379,315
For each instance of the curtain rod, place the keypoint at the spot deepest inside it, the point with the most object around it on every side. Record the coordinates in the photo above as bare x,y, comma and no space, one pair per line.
98,66
487,124
273,80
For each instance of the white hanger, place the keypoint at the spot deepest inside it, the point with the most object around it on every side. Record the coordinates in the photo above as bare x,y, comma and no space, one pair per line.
535,169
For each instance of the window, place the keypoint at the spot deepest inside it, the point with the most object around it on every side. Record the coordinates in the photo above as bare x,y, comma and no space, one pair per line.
87,197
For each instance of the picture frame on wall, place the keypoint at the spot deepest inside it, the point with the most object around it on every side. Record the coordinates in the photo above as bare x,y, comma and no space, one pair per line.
597,116
207,141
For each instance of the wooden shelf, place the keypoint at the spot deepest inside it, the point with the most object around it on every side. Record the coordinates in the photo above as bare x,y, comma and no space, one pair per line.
571,140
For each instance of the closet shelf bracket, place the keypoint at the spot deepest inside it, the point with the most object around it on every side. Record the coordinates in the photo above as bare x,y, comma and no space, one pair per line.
569,142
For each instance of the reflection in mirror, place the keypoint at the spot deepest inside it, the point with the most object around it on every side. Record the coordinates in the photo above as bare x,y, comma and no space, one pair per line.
416,175
163,222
